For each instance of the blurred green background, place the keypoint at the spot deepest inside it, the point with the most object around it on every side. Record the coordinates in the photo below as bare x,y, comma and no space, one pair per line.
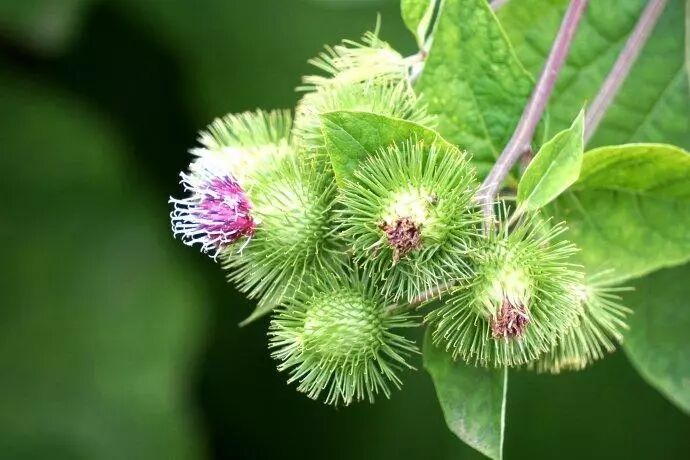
117,342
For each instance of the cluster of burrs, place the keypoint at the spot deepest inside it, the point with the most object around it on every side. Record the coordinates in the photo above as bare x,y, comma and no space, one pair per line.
342,263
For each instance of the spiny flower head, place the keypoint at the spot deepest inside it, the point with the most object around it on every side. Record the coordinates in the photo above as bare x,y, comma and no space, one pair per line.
408,215
216,213
293,237
351,62
244,145
518,301
337,338
382,98
602,318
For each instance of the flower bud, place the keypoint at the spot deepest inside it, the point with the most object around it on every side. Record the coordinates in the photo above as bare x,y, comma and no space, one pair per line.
293,237
351,63
409,216
602,318
391,99
518,301
337,338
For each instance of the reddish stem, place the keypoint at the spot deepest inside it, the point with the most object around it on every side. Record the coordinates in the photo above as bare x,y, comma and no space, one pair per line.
621,69
522,137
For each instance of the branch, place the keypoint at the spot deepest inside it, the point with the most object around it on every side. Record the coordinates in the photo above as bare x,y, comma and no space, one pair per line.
522,137
621,68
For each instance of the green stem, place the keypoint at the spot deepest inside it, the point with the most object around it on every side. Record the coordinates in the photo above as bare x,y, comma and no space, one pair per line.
503,410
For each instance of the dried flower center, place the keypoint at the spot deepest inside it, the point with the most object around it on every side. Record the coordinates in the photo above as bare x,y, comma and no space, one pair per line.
510,322
404,218
403,235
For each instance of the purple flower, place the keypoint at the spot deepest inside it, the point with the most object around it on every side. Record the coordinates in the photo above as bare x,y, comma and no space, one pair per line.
215,215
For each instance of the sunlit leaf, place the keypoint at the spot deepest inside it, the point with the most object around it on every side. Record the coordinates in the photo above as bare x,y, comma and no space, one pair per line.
554,168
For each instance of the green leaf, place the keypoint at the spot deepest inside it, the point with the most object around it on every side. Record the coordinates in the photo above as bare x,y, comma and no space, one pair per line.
653,105
100,319
630,209
554,168
658,343
352,136
473,399
473,79
417,16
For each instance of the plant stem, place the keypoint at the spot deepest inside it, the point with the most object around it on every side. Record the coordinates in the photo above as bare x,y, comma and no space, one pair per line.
522,137
621,68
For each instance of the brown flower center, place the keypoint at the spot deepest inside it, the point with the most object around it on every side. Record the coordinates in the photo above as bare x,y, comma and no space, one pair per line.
510,322
403,235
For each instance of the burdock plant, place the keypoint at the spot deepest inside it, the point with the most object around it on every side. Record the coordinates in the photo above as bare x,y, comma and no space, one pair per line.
409,216
517,302
335,336
599,328
360,211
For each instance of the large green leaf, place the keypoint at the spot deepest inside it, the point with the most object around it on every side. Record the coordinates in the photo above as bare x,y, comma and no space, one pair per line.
473,79
652,106
472,398
554,168
630,209
658,342
352,136
99,320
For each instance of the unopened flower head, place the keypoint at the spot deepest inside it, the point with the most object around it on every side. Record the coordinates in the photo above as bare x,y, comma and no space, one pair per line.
295,236
518,301
351,62
409,214
391,99
602,320
505,294
336,338
215,215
